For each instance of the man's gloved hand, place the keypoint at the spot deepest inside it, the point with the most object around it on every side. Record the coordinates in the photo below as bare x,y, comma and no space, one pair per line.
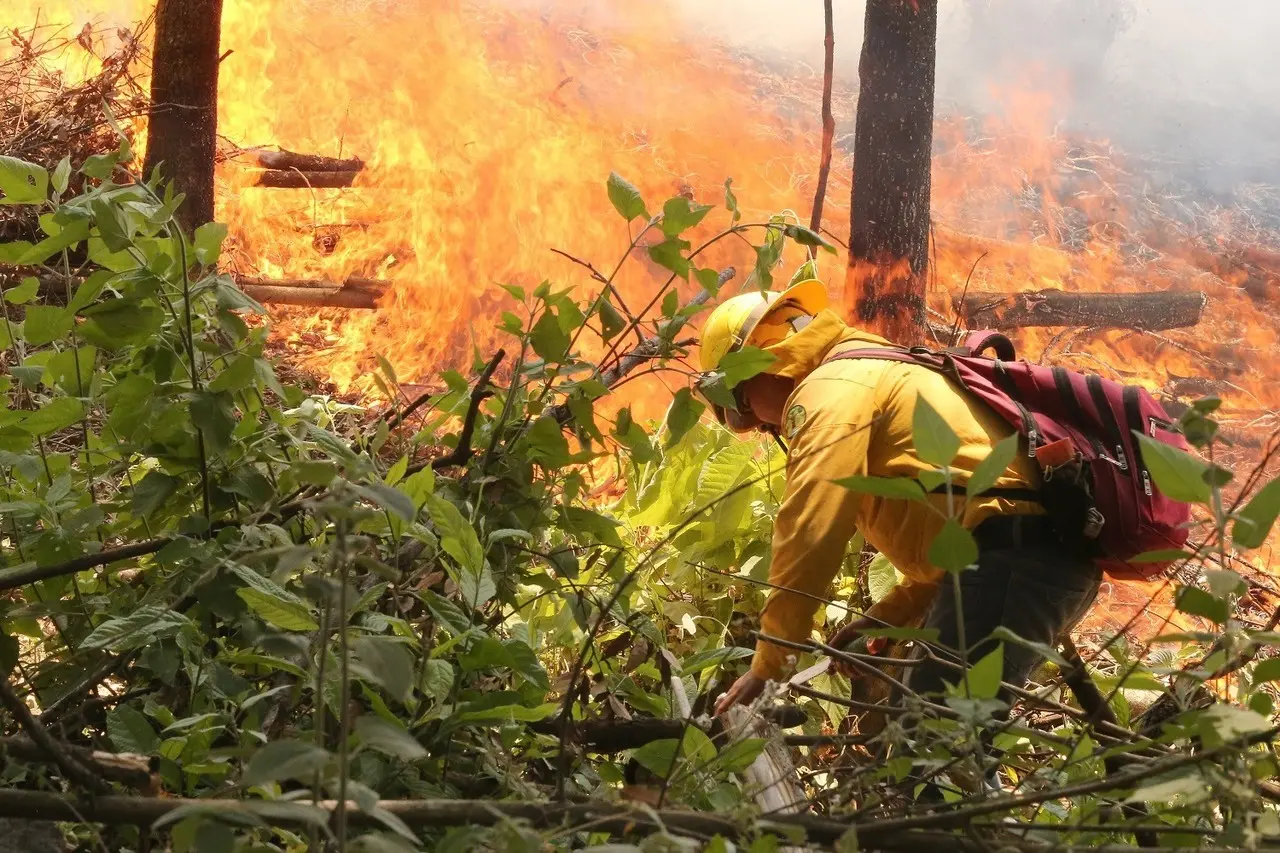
849,634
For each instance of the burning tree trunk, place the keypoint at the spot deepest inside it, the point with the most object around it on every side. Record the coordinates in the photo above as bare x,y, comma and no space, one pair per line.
889,222
182,134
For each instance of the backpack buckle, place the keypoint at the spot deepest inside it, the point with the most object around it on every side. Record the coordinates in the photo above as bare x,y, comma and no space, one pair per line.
1093,523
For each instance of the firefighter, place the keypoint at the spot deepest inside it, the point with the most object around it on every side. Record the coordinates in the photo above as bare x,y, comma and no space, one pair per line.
854,417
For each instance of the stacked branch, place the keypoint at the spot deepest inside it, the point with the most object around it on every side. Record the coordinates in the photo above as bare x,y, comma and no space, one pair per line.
290,170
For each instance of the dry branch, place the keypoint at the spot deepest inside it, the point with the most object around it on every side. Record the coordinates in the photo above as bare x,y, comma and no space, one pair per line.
292,179
288,160
76,772
128,770
319,296
1151,311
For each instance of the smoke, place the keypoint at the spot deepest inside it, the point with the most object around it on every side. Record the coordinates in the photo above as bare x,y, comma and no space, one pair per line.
1181,80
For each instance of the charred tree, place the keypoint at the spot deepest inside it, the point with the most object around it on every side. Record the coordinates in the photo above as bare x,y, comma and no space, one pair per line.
889,220
182,135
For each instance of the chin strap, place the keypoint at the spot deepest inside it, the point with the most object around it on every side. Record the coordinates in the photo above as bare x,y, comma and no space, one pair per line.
773,431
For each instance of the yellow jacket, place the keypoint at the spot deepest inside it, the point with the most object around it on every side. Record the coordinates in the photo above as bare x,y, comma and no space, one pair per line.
855,418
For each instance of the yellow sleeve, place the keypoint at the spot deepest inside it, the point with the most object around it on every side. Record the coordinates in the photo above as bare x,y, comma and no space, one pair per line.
812,531
906,601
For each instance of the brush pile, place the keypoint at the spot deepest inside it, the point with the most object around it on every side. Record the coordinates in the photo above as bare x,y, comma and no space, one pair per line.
58,90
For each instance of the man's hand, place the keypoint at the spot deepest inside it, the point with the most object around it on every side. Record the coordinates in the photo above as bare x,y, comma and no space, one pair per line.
743,692
847,635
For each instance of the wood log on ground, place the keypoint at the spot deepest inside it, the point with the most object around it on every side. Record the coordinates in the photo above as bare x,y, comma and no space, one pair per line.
291,179
357,293
1148,311
288,160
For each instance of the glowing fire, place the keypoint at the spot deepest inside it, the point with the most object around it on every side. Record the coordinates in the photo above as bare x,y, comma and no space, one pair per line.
488,133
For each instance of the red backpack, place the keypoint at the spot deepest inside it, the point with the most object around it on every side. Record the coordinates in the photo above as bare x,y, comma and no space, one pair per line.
1102,492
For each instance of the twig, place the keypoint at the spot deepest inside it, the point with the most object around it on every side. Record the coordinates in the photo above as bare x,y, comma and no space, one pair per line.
828,121
74,770
479,393
600,277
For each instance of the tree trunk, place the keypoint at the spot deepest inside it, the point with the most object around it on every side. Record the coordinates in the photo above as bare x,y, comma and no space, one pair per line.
182,134
889,222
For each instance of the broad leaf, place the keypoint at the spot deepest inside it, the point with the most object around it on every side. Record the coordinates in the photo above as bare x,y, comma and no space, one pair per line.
659,758
57,414
670,254
1177,474
389,498
1197,602
895,488
954,548
438,679
144,625
285,759
284,614
808,237
152,492
989,470
742,364
935,441
387,662
625,198
131,731
882,577
1254,522
388,737
739,756
46,323
458,539
1267,670
208,242
678,215
548,339
985,676
682,415
22,182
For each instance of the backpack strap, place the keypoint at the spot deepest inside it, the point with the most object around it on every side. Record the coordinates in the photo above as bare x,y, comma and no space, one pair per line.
979,342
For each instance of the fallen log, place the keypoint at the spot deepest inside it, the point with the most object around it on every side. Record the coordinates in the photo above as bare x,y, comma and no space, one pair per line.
292,179
1148,311
286,160
358,293
319,296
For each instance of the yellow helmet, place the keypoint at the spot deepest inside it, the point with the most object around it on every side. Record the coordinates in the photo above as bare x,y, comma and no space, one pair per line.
745,319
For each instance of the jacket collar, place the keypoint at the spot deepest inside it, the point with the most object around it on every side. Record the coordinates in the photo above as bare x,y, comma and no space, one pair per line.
799,354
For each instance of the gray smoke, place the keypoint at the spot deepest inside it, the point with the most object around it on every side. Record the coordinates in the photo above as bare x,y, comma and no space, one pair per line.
1192,81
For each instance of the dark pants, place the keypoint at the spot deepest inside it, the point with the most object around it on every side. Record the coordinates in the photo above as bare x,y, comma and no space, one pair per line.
1027,581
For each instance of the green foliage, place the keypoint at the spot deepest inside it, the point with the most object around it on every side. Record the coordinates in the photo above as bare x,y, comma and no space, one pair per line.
318,608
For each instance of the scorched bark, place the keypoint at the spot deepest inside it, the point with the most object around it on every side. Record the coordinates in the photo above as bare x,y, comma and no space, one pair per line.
889,220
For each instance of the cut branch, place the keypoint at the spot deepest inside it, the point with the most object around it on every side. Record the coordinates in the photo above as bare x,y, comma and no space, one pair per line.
288,160
293,179
128,770
1150,311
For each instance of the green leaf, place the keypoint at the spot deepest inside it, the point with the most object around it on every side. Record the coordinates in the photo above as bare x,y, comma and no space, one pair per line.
882,577
1197,602
446,613
731,200
458,539
388,663
708,279
935,442
285,759
208,242
22,182
1177,474
954,548
130,731
438,679
657,757
808,237
523,661
70,235
388,737
282,613
633,436
806,271
738,756
678,215
117,323
46,323
1047,652
669,254
1254,522
548,339
682,416
59,413
23,293
895,488
707,658
62,175
507,713
985,675
989,470
212,413
144,625
236,376
1230,722
389,498
1267,670
611,321
625,198
744,363
152,492
1189,784
547,444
